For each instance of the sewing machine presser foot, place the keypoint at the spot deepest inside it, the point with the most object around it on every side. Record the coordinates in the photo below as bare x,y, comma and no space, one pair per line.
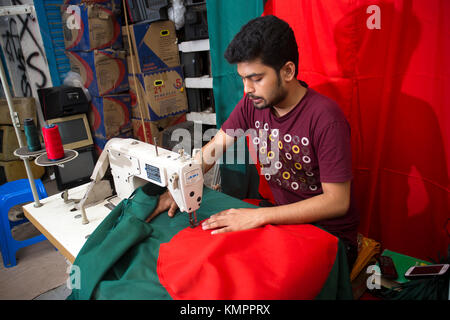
193,222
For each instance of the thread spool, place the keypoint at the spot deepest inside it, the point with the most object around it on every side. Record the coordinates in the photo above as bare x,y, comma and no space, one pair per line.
53,142
31,134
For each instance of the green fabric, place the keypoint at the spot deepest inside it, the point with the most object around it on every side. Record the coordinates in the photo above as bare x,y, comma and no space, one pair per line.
402,263
225,19
119,259
338,286
248,177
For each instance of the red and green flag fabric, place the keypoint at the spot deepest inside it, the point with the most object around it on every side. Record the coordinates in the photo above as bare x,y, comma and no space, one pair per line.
385,62
127,258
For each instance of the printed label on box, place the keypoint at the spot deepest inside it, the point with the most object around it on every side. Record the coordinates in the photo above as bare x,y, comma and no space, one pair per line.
165,92
162,94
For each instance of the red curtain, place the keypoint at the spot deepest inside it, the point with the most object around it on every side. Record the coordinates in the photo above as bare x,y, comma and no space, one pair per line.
388,67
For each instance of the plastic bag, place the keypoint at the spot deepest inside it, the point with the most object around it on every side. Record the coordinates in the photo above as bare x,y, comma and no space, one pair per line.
176,13
73,79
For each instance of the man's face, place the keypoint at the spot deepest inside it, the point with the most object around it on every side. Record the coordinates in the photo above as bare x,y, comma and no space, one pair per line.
262,84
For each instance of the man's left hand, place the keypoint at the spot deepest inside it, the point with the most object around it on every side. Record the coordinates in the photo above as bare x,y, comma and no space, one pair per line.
233,220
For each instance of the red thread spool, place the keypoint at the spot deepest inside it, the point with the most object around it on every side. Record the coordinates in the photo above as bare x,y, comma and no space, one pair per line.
53,142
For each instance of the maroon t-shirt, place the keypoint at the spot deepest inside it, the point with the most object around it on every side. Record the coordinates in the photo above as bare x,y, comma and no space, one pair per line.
308,145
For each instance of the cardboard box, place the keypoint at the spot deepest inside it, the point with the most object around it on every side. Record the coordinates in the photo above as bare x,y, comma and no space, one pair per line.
15,170
132,69
106,3
109,116
25,108
131,54
137,97
162,94
103,72
99,142
91,26
126,46
155,45
154,129
9,143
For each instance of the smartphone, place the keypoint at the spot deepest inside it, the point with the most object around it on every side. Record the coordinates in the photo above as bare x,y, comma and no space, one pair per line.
417,272
387,267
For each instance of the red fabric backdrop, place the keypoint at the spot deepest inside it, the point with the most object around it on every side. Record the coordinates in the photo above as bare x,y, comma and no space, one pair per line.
393,85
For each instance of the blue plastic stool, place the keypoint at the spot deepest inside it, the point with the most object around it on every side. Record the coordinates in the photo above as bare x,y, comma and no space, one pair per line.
11,194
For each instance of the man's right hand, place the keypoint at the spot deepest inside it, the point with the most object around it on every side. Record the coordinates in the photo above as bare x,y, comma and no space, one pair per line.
165,202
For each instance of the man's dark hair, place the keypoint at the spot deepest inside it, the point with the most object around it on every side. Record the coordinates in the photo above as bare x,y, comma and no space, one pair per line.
268,38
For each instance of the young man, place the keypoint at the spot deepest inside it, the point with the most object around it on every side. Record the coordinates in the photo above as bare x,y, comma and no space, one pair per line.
301,136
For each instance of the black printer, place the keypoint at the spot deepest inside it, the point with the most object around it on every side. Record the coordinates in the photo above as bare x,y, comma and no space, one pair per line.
57,102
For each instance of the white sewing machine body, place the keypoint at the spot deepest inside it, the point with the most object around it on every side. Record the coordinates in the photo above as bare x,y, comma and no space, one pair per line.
134,163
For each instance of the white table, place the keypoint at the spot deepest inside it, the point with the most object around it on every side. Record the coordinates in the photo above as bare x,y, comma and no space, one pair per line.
63,227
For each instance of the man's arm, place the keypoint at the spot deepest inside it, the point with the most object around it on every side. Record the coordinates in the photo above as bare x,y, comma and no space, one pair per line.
332,203
214,149
211,152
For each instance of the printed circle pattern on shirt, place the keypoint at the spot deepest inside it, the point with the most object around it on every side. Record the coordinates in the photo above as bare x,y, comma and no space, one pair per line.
312,144
297,151
287,158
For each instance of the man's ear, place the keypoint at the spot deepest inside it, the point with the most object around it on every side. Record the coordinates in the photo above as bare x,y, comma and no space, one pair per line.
288,71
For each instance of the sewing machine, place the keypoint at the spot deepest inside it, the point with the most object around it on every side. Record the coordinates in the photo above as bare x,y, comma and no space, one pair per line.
134,163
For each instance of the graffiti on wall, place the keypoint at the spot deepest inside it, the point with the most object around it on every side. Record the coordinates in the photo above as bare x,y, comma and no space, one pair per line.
24,52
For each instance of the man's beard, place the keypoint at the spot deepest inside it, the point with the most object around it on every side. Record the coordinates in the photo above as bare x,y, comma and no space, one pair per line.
280,96
264,104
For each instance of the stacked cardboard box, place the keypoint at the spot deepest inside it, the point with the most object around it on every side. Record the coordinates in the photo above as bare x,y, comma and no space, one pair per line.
158,95
94,46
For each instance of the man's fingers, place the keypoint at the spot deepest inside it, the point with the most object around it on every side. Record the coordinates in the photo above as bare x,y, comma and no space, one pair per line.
165,202
172,209
221,213
214,222
222,230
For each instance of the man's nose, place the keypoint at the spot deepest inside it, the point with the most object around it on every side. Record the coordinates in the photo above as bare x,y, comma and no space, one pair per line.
248,87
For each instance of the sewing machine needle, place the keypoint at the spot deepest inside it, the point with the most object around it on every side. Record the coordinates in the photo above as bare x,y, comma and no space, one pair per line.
193,222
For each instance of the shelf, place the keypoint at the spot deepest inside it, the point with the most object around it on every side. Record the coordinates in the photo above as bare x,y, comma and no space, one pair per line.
193,46
202,117
204,82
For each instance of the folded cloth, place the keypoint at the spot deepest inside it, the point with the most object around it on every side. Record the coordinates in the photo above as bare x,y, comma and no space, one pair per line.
127,258
283,262
367,249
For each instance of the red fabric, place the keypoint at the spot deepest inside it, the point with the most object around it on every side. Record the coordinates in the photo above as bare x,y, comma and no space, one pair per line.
252,201
392,84
274,262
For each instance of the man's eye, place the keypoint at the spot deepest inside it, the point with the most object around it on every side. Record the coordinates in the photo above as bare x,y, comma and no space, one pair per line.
257,79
